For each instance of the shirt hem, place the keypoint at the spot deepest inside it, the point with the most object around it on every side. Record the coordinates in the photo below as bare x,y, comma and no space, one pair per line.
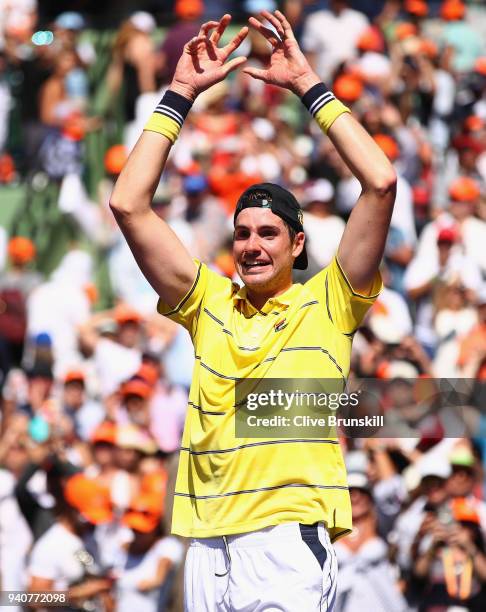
257,525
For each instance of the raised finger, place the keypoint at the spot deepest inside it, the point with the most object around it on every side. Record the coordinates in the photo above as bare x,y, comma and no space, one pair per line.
275,22
209,25
257,73
233,64
223,23
269,34
235,42
287,28
194,42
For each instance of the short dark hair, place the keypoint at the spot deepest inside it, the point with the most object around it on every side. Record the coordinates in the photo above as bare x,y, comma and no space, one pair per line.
292,232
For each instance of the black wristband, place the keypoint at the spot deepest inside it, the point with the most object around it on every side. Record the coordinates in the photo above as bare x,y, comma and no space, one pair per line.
174,106
317,97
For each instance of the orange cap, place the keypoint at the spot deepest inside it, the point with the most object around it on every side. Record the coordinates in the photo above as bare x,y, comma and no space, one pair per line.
148,373
21,249
189,9
388,145
480,65
105,432
473,123
91,499
7,168
73,127
463,510
464,189
125,314
452,10
115,159
74,375
144,513
348,88
371,40
405,30
136,387
418,8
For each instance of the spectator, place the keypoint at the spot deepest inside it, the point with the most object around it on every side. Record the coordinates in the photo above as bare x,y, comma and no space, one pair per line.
113,339
15,287
188,13
447,538
133,67
365,572
59,305
330,36
459,36
64,558
146,565
85,414
324,229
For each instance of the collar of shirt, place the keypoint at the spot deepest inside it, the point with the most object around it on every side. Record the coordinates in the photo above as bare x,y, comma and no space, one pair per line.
282,301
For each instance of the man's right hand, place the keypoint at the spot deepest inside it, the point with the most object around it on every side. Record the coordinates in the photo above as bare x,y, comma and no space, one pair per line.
203,63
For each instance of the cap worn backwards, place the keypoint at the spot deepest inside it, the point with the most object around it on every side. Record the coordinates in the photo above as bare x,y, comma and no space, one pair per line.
282,203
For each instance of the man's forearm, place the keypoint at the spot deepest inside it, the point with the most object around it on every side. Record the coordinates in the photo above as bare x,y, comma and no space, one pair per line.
363,156
139,178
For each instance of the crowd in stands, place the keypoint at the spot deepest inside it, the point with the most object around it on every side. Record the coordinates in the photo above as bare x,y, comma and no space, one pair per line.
93,400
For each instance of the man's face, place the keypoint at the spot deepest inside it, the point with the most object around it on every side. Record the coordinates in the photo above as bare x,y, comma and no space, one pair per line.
361,503
137,409
74,394
461,210
434,489
262,250
129,334
461,481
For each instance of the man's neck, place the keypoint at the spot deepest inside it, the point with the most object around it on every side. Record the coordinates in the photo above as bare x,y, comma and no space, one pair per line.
258,300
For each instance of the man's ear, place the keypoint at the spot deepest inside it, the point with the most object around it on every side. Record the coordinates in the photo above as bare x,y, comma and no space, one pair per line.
298,246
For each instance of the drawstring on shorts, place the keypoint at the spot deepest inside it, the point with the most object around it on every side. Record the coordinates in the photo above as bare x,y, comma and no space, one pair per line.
226,547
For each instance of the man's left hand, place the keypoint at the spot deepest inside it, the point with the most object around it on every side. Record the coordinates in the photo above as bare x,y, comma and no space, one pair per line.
288,66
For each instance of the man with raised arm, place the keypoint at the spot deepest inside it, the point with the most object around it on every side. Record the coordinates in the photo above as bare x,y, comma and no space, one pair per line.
261,512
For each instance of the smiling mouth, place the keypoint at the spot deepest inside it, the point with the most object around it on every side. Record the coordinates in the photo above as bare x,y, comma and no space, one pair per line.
254,266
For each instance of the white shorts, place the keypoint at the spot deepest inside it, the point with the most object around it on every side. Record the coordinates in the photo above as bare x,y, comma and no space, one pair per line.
289,567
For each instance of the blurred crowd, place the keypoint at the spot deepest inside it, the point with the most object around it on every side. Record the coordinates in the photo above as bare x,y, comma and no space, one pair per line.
93,400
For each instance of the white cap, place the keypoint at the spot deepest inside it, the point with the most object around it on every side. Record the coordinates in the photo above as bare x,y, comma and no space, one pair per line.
358,480
143,21
434,466
356,461
375,65
263,128
386,329
320,191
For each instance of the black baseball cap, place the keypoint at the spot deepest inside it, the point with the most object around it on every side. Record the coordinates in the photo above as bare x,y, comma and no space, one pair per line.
282,203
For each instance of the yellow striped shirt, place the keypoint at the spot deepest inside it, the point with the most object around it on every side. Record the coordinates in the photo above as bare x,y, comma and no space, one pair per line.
227,485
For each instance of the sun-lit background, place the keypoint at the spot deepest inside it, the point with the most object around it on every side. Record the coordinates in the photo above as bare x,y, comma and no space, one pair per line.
94,384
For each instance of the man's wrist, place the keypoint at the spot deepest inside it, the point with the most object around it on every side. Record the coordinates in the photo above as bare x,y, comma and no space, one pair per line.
183,91
169,115
323,105
304,83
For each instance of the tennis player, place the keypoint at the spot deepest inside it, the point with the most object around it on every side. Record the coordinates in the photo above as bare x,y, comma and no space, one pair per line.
262,513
